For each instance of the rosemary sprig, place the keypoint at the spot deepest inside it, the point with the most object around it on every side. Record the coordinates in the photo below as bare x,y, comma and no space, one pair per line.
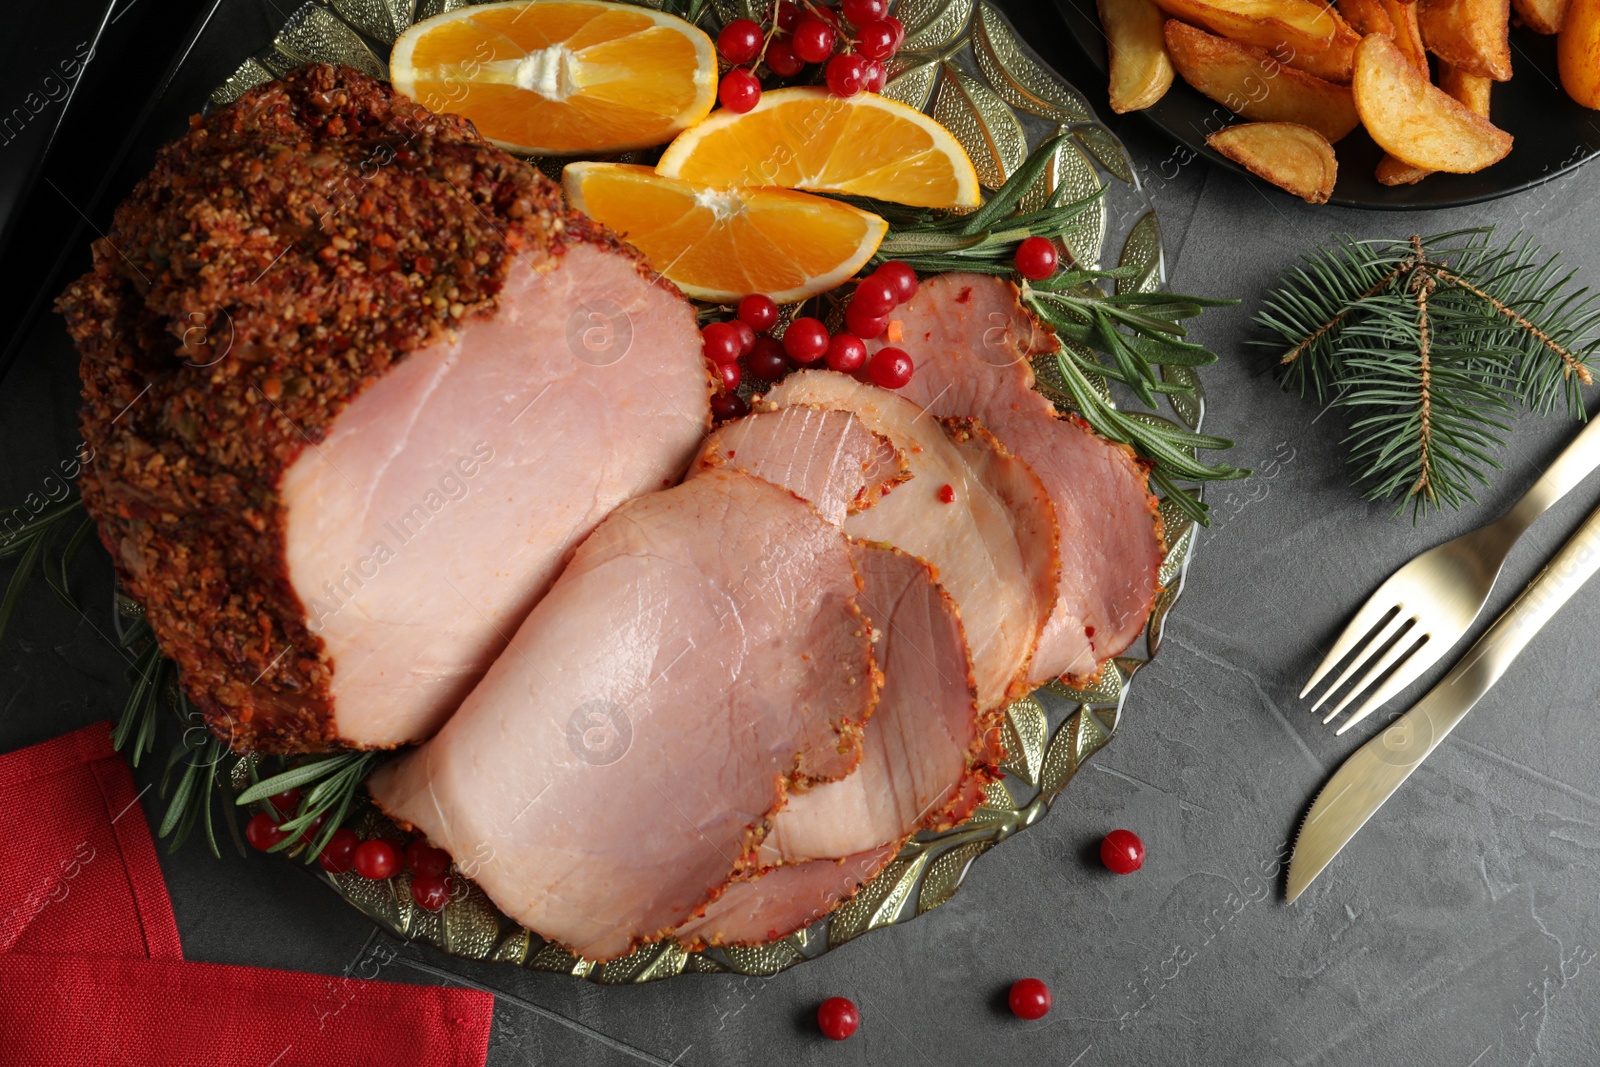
337,780
30,543
1429,344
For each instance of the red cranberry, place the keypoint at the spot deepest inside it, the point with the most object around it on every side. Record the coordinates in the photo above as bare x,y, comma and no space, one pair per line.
847,74
782,60
768,360
862,324
861,12
430,891
725,406
875,39
1030,999
899,29
813,39
263,832
806,340
729,375
902,277
740,91
747,336
740,41
891,368
1036,258
377,860
838,1018
339,854
876,294
286,803
846,352
877,76
758,312
1122,851
786,14
423,858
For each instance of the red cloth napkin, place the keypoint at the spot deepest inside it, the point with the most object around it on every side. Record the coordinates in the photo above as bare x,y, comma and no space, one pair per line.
93,973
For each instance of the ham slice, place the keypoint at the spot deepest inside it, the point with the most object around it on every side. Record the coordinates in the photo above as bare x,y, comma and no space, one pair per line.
702,654
356,382
994,545
971,341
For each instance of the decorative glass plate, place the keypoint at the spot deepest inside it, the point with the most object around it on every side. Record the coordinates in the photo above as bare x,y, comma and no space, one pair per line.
965,65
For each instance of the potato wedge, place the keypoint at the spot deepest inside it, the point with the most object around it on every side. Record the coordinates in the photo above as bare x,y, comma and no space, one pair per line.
1303,26
1471,90
1407,34
1392,171
1577,52
1335,63
1415,121
1141,73
1249,81
1471,34
1366,16
1541,16
1287,154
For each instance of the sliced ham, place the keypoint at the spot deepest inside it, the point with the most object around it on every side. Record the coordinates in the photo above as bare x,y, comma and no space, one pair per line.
356,383
972,342
774,903
615,770
924,737
993,545
827,457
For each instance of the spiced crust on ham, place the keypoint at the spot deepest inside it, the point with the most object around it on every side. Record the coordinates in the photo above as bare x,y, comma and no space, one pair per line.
279,258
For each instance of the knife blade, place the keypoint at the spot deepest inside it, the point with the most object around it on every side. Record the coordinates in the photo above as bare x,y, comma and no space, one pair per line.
1373,772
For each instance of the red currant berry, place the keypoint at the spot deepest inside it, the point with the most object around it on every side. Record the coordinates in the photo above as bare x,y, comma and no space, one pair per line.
876,295
721,342
740,91
262,832
339,854
430,891
847,74
813,39
423,858
837,1018
862,324
786,14
725,406
740,41
1036,258
902,277
875,39
729,375
891,368
877,76
899,29
286,803
1030,999
806,340
768,361
376,860
781,59
758,312
846,352
861,12
1122,852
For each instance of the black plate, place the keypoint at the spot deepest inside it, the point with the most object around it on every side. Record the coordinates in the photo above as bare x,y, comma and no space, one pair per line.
1553,134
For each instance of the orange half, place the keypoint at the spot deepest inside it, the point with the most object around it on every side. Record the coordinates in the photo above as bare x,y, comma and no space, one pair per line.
807,138
722,245
560,77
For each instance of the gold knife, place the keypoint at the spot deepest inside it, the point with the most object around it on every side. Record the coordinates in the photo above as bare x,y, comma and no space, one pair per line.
1372,774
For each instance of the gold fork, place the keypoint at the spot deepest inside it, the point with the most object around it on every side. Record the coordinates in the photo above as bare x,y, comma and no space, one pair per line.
1427,605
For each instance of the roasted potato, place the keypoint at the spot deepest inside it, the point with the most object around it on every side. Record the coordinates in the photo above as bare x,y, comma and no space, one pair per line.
1250,82
1302,26
1578,52
1407,35
1470,34
1141,73
1334,63
1471,90
1415,121
1366,16
1287,154
1541,16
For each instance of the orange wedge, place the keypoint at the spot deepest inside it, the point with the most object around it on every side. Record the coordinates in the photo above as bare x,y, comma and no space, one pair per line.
807,138
722,245
560,77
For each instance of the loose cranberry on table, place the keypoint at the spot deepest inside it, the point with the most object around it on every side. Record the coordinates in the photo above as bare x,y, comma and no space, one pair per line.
846,352
725,406
423,858
1036,258
806,340
740,41
377,860
339,854
430,891
1029,999
1122,851
891,368
262,831
739,91
767,360
838,1018
758,312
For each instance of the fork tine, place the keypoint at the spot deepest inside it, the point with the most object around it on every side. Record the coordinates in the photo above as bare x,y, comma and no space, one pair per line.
1406,645
1408,672
1365,653
1371,613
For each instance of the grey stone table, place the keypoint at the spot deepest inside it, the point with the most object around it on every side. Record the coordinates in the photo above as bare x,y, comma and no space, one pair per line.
1461,928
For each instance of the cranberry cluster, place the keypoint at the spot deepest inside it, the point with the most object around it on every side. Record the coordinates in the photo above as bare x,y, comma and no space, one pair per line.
852,40
377,859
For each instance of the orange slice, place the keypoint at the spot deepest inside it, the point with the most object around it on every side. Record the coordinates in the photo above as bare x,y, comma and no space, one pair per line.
560,77
722,245
807,138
